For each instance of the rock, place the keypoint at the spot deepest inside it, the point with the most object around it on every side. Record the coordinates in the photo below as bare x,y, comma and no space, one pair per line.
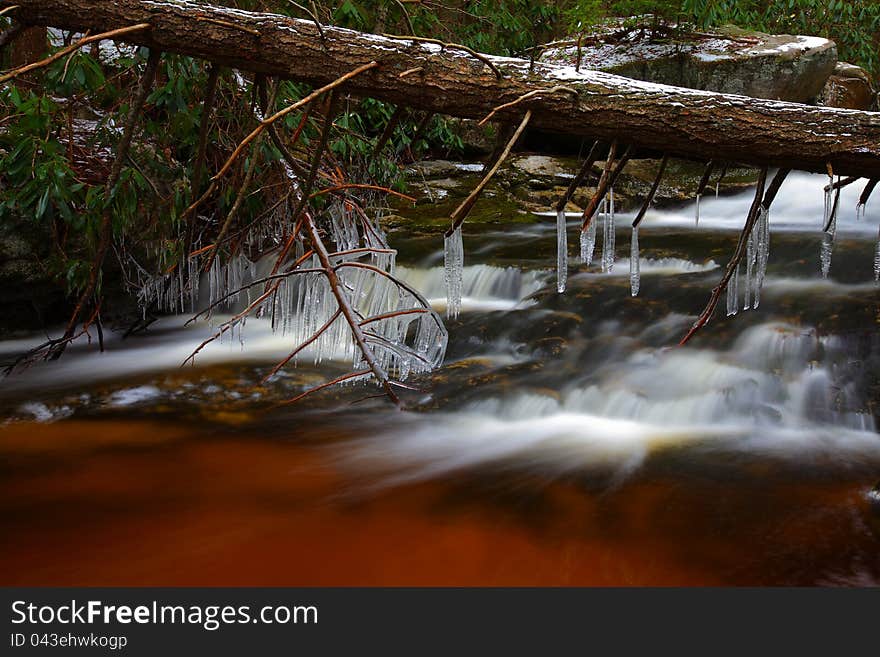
431,169
541,166
849,86
783,67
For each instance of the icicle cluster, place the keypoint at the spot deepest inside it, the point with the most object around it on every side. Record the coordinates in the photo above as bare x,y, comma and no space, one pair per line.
453,261
634,273
757,256
403,342
176,292
561,252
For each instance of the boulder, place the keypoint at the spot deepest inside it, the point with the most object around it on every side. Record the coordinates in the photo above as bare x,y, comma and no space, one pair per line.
849,86
734,61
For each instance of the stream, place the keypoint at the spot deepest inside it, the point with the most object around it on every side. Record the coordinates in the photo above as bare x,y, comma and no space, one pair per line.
566,439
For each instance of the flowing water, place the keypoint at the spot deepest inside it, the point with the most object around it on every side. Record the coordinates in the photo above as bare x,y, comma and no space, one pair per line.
567,439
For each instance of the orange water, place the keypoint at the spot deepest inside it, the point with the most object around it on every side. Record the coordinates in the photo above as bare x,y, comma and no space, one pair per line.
146,503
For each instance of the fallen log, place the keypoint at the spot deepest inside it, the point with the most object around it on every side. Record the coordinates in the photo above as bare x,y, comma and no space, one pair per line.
449,80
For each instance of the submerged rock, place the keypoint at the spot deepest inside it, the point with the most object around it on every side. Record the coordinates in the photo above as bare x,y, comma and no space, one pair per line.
734,61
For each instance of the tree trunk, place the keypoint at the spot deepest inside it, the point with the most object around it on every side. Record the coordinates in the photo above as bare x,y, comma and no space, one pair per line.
26,46
685,123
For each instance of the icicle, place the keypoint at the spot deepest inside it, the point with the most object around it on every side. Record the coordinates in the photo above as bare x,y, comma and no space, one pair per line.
733,293
697,212
453,259
877,261
611,203
588,243
829,195
827,247
608,239
634,274
561,251
751,257
763,255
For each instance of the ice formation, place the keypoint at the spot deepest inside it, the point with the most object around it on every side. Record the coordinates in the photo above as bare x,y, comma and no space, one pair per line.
634,275
561,252
453,261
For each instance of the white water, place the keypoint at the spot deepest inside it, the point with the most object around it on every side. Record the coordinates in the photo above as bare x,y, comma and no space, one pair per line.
779,389
485,288
799,207
765,394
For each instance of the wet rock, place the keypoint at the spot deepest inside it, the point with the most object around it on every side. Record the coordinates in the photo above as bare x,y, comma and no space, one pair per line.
734,61
849,86
874,499
543,167
873,511
432,169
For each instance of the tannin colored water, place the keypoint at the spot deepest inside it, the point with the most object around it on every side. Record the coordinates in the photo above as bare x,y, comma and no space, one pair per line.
141,502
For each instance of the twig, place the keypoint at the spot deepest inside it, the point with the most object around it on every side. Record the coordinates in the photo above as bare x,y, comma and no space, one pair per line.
526,96
106,230
410,71
845,182
721,175
462,211
650,197
704,181
6,10
834,207
239,198
580,177
347,311
601,187
306,187
317,334
204,125
268,122
231,26
398,313
869,188
409,24
71,48
338,379
455,46
377,188
398,114
287,110
738,253
312,15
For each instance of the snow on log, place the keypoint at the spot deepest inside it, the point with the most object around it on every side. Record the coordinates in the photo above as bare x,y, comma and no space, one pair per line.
450,80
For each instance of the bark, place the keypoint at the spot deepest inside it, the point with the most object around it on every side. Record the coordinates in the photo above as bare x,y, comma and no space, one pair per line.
681,122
